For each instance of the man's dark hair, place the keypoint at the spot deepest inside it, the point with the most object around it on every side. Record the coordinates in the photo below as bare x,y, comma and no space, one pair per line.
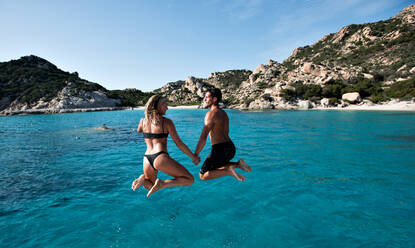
215,92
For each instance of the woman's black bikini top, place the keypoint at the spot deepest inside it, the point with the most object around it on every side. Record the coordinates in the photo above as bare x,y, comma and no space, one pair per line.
156,135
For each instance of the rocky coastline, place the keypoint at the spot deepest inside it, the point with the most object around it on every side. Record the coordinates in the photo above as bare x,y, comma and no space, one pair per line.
361,67
60,111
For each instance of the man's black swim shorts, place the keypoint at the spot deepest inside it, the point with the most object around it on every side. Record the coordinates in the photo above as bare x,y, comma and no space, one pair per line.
220,155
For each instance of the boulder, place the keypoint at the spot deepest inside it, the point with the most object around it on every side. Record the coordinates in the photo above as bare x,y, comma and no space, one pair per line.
260,68
368,103
367,75
260,104
402,68
305,104
352,97
190,80
325,80
288,87
308,67
325,102
269,74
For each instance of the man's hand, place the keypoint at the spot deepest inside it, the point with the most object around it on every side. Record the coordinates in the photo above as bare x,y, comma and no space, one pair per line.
196,159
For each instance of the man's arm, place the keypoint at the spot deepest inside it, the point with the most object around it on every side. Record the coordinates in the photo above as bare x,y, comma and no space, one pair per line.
206,130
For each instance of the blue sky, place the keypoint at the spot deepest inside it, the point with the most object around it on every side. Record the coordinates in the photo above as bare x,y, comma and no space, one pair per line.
145,44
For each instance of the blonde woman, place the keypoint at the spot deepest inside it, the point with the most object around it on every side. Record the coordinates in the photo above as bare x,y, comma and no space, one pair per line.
155,129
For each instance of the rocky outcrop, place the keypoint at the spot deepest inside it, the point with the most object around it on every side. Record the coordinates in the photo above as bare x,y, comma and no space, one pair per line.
66,101
32,84
190,91
353,97
407,15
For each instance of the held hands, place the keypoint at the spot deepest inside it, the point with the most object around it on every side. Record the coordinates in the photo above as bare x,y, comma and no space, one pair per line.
196,159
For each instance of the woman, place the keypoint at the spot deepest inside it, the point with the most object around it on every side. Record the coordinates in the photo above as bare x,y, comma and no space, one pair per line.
155,130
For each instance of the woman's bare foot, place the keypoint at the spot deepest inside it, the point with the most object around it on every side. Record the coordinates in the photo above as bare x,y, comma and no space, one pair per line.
157,185
235,174
244,166
137,182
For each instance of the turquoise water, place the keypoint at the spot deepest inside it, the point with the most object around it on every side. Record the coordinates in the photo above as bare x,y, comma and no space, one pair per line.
320,179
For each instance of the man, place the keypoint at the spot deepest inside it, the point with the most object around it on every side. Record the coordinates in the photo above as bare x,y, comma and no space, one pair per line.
218,164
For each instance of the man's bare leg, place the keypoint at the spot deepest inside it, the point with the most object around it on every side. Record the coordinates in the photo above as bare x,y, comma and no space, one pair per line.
222,172
241,164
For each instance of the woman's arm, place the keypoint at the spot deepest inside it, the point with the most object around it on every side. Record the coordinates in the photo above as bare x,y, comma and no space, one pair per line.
179,143
140,126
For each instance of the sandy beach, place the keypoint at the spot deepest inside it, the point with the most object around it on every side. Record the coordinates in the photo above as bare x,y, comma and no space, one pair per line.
388,106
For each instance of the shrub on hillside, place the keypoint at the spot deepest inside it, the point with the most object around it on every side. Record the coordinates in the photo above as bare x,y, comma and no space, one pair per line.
403,90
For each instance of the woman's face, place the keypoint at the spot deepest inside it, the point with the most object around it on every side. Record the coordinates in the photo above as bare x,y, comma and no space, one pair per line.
163,108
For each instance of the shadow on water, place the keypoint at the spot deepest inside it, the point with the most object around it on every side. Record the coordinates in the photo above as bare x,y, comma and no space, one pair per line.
410,137
9,212
60,202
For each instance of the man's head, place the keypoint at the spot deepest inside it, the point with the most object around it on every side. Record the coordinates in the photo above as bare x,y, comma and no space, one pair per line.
212,97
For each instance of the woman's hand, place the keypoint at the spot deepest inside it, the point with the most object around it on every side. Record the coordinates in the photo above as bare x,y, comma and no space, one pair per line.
195,159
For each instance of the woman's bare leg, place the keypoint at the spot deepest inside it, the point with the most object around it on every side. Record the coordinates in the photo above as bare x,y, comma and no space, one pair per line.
166,164
147,179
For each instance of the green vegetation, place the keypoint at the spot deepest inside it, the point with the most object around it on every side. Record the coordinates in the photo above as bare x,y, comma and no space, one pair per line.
264,85
249,100
368,89
289,65
403,90
31,78
230,100
382,27
333,89
233,78
131,97
267,97
302,91
361,53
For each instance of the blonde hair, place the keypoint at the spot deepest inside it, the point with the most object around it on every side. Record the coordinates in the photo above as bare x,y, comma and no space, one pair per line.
151,111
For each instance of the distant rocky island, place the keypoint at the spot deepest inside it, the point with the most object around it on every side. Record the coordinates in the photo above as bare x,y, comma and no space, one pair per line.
361,64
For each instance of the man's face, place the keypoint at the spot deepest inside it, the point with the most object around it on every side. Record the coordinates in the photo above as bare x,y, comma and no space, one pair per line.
209,100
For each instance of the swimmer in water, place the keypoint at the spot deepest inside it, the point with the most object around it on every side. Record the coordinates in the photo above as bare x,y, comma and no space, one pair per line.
103,127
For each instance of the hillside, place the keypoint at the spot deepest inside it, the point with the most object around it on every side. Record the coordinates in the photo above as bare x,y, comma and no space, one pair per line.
33,83
360,64
376,60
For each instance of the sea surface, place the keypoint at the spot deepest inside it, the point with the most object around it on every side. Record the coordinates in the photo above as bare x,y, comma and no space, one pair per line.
319,179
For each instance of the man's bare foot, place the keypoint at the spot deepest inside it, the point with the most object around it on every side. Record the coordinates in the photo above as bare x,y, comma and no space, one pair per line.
157,185
243,165
138,182
235,174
